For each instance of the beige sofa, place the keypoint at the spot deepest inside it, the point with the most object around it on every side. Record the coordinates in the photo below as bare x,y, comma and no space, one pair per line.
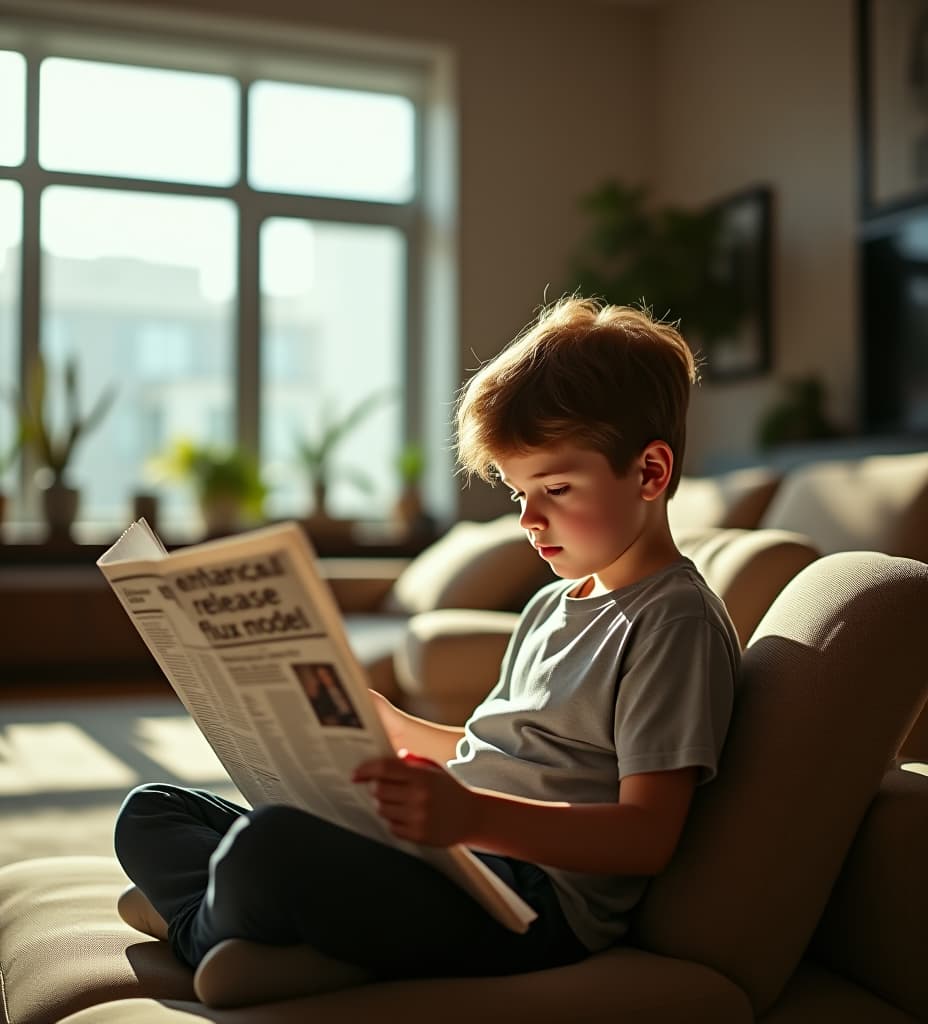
797,895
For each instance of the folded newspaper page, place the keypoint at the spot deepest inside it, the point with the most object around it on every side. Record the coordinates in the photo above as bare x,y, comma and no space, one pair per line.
249,635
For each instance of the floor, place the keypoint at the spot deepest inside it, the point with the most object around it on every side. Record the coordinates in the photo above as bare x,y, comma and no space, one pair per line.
68,757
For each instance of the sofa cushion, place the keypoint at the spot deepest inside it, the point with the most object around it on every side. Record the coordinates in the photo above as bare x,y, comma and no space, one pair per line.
878,503
63,947
475,565
747,568
623,985
817,996
449,660
829,685
874,928
734,500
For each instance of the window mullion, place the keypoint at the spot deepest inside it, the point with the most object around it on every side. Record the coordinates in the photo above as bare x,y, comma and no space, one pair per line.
31,254
248,327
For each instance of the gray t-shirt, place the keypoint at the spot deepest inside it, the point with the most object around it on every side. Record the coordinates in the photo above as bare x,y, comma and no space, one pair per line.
595,688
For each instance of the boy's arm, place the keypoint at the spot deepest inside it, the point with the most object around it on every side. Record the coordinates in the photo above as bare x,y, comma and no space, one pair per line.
428,739
635,836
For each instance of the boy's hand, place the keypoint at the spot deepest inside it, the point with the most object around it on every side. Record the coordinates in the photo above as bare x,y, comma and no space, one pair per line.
419,800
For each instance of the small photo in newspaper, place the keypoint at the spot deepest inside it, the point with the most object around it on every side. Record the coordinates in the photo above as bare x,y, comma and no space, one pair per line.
327,694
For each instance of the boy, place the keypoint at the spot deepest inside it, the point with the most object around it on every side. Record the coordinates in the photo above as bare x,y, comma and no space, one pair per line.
572,779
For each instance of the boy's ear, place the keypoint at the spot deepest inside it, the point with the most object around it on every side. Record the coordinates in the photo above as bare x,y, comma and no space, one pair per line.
656,465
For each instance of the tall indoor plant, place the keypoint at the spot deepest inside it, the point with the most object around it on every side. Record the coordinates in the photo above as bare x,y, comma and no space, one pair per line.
666,258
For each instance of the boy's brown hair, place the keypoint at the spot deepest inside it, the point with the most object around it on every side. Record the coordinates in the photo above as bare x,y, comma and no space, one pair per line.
608,378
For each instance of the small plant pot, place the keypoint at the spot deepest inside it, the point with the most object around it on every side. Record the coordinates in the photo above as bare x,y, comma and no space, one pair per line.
222,515
59,504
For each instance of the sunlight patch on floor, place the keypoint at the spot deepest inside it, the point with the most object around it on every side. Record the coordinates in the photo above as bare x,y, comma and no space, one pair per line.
178,745
41,756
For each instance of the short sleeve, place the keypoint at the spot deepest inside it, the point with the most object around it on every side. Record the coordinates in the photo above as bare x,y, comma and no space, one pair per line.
674,699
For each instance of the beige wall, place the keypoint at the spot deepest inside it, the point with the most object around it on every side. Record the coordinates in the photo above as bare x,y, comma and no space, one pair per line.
762,91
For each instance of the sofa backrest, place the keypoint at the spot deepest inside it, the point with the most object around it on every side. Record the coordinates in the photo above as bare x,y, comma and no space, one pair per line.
747,568
734,500
488,566
830,684
878,503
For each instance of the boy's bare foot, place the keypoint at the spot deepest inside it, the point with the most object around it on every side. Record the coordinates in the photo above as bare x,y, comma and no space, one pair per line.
238,972
135,909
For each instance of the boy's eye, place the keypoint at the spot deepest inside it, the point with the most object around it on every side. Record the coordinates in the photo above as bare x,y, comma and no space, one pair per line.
558,490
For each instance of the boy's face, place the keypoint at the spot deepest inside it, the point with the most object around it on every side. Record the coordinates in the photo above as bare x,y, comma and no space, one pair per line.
579,516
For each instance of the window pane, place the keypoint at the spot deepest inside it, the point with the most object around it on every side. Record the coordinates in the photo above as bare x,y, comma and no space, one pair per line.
11,201
333,335
138,122
140,288
12,107
331,142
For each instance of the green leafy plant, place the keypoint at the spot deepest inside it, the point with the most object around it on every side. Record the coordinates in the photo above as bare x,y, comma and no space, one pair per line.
317,451
666,259
411,462
798,415
55,447
9,453
216,473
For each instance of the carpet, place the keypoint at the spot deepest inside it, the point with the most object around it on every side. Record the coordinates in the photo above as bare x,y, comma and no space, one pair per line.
65,767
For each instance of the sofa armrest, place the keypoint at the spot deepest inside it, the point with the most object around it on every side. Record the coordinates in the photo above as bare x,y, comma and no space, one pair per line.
450,659
873,929
361,584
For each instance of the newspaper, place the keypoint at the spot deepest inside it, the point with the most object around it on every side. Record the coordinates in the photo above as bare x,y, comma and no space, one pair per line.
248,633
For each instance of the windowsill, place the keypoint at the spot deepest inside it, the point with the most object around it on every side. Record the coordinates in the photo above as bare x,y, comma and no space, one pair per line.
22,544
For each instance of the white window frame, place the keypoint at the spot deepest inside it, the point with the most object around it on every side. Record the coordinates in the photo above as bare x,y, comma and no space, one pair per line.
247,52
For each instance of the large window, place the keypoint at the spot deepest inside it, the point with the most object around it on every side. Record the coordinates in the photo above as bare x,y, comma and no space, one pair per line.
235,244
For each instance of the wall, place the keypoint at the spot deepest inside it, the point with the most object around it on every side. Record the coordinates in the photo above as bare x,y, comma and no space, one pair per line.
763,91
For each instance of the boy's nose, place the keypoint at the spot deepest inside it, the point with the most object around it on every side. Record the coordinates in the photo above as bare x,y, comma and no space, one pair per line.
531,519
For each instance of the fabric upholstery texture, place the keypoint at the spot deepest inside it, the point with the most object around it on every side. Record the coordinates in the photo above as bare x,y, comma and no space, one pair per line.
475,565
62,946
447,657
623,985
817,996
882,894
879,503
808,745
734,500
747,568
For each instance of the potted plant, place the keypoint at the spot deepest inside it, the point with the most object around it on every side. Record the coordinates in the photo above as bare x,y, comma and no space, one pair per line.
7,460
53,448
408,511
667,258
227,482
317,452
797,415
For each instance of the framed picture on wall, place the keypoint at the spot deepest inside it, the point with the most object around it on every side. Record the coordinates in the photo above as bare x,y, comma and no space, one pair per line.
893,105
743,263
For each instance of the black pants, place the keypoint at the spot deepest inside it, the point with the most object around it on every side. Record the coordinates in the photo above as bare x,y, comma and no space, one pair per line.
278,875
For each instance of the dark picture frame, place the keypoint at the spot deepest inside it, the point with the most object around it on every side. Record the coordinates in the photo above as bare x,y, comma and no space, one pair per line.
744,264
892,58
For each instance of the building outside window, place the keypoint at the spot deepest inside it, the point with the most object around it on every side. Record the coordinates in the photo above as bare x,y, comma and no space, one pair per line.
232,237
